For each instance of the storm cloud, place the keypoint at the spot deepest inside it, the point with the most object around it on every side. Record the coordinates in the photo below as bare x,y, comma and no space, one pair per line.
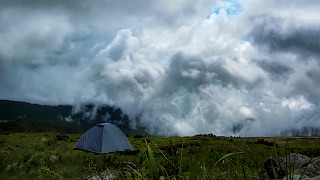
227,67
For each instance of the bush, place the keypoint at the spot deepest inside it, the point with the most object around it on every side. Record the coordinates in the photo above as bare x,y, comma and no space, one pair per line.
138,136
264,142
1,143
62,137
130,152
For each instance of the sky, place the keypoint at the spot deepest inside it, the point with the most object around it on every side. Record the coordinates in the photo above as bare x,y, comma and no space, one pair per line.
227,67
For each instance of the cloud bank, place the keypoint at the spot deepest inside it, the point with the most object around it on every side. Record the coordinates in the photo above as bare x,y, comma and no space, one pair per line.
248,68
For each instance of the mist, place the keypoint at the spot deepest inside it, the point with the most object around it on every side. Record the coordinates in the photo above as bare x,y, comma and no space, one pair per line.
227,67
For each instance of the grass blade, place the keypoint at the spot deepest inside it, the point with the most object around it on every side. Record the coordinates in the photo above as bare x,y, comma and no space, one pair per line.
225,156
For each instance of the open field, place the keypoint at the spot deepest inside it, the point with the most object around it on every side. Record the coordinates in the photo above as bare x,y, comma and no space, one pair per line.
50,156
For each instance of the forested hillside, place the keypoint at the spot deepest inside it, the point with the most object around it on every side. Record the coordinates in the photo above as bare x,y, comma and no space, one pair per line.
30,126
83,117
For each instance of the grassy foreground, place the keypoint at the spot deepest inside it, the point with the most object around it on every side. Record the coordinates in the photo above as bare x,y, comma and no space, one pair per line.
50,156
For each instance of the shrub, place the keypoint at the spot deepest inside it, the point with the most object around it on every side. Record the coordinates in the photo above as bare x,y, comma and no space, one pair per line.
1,143
264,142
62,137
130,152
138,136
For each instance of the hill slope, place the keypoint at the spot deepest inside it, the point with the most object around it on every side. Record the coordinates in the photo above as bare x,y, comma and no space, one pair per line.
29,126
85,116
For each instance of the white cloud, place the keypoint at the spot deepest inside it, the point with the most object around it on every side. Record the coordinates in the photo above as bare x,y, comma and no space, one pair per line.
296,104
224,67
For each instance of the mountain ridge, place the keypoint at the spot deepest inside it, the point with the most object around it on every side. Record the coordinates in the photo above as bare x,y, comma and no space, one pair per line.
84,117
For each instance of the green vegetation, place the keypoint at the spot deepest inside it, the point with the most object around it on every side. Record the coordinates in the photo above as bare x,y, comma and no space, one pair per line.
50,156
84,117
29,126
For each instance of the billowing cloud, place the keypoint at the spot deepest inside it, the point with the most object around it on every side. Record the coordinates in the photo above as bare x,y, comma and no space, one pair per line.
227,67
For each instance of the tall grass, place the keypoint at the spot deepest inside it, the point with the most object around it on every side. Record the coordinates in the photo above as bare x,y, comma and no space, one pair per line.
198,169
44,156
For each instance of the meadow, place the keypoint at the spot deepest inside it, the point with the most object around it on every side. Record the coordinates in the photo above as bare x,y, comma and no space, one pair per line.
51,156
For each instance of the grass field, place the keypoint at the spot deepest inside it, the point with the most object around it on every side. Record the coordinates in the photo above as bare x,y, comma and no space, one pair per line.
51,156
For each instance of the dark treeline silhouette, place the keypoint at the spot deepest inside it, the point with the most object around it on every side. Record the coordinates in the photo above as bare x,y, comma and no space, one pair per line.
85,117
30,126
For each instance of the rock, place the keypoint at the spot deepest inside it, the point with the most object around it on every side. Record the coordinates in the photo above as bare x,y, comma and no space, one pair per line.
298,177
306,168
294,160
105,175
316,178
310,168
53,158
273,168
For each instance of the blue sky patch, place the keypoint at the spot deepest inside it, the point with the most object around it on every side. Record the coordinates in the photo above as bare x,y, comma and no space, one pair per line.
231,7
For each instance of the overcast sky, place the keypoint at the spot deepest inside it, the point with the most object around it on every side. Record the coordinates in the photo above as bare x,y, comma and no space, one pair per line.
227,67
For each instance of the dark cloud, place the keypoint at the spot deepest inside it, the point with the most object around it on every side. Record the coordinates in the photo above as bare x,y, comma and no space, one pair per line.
276,71
271,35
191,72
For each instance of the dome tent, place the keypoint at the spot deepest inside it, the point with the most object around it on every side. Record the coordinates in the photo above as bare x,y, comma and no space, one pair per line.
103,138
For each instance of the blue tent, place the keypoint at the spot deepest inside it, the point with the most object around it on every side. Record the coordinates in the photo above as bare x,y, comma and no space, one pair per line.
103,138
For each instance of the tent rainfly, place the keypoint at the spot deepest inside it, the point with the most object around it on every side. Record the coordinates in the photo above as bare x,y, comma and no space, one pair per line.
103,138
